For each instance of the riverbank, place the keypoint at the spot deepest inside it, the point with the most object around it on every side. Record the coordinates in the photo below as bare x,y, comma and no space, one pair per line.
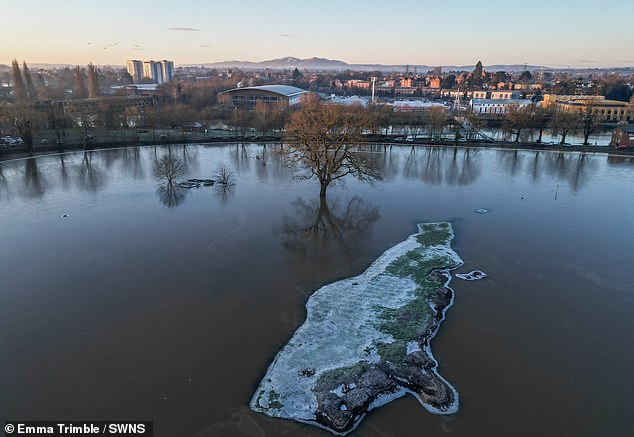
98,142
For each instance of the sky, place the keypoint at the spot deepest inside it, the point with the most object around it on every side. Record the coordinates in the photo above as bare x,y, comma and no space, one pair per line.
554,33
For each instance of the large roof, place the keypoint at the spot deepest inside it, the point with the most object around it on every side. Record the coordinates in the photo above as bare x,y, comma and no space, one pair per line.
285,90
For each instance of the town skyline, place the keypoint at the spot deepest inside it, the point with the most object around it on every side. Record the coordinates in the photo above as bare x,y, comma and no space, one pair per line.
548,33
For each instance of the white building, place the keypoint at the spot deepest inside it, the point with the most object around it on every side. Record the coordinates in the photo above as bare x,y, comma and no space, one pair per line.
167,70
156,71
497,95
153,70
135,69
496,106
415,105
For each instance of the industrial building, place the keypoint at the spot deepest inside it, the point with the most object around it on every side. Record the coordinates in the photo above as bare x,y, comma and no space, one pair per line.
249,97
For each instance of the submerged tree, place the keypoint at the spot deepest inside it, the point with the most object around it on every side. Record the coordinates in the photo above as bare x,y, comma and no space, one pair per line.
168,169
325,139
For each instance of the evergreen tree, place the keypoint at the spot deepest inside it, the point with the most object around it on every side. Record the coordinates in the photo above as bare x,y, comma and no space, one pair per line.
477,71
93,82
80,83
19,90
28,82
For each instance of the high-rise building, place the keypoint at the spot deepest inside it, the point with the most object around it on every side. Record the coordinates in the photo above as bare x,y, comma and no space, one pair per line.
152,70
135,69
168,70
155,71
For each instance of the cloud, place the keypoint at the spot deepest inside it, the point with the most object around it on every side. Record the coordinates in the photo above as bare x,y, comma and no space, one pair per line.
207,46
184,29
585,61
285,35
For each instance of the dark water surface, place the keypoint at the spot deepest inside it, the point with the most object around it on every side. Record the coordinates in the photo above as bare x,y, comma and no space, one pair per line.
150,303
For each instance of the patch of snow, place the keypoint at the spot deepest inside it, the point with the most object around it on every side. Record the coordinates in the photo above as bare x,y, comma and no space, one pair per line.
412,347
339,331
471,276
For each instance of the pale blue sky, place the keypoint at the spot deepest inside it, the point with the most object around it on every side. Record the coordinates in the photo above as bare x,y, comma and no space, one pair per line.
575,33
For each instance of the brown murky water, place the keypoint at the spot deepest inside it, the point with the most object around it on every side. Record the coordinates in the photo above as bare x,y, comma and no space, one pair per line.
168,305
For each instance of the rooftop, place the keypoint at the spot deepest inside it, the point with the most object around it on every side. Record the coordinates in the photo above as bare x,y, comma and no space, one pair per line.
285,90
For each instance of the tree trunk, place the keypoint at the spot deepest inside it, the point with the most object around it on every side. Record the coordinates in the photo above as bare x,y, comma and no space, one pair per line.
585,139
322,191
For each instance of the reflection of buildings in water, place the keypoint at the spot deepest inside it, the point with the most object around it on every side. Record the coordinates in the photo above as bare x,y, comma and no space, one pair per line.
327,229
620,159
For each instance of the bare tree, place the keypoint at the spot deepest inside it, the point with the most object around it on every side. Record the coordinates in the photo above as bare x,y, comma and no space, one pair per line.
437,122
167,169
224,176
589,123
540,117
23,118
325,139
517,119
564,123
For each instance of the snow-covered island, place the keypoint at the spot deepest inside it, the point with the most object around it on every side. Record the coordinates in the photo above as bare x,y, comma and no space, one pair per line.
366,339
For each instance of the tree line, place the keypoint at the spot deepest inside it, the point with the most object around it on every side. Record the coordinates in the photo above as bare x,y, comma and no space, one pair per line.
32,115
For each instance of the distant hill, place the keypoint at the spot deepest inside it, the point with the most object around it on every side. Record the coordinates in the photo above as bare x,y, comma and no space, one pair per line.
323,64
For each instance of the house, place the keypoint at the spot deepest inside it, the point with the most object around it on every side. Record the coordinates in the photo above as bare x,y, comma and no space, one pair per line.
434,82
623,137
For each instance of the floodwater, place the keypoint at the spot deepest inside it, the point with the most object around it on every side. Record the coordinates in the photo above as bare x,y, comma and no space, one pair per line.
123,299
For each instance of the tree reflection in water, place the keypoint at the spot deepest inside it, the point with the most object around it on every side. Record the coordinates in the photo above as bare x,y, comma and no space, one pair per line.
91,178
327,230
574,168
171,195
434,165
34,182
